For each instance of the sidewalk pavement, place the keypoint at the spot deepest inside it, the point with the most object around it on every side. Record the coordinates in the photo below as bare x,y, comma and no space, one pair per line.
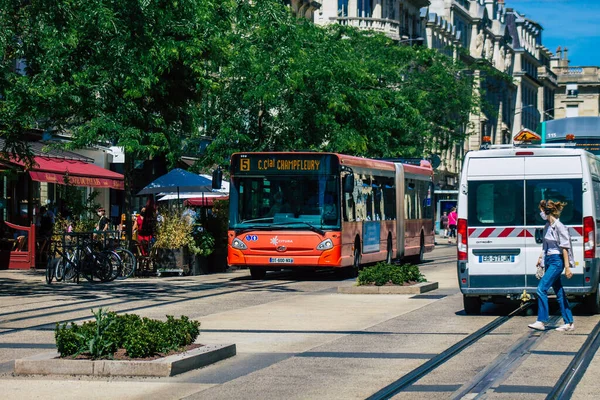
293,320
444,241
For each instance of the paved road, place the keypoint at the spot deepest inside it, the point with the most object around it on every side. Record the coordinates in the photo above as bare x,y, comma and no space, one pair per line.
296,337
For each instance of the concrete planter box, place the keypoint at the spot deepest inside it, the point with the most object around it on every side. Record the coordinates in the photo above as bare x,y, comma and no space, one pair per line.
48,364
413,289
172,260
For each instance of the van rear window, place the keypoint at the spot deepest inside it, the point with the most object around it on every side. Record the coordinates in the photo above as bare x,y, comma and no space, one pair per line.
496,203
515,203
565,190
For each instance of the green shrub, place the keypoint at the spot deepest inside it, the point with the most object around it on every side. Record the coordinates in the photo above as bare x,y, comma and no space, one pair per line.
141,344
140,337
68,342
383,273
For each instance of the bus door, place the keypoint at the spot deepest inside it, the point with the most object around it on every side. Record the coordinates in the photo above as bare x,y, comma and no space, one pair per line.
400,213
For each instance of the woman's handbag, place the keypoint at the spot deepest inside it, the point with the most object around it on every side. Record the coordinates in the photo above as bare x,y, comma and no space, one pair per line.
539,273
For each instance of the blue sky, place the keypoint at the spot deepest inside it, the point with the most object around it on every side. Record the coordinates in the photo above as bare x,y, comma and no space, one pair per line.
571,23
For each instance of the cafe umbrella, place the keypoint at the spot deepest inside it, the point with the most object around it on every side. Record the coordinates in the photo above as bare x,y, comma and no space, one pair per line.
176,181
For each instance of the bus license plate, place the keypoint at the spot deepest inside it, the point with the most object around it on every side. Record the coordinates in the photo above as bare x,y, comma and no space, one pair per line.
279,260
496,259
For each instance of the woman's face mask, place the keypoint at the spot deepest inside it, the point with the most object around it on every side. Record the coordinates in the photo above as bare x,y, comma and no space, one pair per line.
543,215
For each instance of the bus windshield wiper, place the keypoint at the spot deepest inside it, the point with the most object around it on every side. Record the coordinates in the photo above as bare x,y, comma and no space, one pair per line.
239,231
257,220
310,226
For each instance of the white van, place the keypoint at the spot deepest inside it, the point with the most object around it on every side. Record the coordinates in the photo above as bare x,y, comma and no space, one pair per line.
499,231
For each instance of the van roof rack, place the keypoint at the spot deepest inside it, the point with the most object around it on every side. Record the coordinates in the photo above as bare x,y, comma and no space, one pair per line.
524,138
486,146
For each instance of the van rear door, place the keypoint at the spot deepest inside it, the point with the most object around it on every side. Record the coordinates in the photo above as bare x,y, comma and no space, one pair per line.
558,179
496,223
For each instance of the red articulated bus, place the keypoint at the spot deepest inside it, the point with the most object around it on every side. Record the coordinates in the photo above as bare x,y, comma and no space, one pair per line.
326,210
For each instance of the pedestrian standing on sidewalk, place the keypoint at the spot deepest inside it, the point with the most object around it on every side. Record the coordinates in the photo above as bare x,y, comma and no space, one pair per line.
557,255
444,224
452,219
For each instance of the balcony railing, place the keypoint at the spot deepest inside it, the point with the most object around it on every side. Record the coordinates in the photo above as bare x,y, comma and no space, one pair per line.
574,71
389,27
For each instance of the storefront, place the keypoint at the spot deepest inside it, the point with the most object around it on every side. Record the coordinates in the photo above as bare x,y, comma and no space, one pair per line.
24,188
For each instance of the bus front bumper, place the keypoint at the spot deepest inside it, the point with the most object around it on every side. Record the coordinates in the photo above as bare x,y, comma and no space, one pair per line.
326,258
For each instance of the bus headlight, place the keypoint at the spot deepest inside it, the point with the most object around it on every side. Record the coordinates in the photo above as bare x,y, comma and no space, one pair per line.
238,244
325,245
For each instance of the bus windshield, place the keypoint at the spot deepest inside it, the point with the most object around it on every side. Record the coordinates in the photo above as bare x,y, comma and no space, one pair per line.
285,202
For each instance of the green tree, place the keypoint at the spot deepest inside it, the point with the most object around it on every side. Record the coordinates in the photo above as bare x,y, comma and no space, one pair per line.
293,85
114,72
19,94
130,73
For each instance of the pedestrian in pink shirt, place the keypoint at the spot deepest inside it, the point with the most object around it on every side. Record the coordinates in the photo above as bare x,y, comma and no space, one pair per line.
452,220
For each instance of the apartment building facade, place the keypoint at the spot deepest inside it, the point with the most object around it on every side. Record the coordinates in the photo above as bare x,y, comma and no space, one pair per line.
578,93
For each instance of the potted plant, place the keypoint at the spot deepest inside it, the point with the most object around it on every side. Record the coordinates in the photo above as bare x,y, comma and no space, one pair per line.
204,244
174,243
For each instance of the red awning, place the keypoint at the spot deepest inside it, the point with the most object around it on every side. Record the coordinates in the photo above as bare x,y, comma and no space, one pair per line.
53,170
207,201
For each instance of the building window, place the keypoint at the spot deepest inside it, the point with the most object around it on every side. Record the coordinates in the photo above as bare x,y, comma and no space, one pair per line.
572,111
342,8
391,14
364,8
572,89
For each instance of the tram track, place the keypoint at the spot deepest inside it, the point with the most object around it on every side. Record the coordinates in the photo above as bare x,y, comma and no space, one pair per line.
429,366
497,372
570,378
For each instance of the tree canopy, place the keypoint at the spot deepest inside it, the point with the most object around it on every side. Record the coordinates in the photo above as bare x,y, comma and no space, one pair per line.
155,76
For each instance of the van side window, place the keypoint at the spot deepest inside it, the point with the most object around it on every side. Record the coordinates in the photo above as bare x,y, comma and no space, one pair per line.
596,185
495,203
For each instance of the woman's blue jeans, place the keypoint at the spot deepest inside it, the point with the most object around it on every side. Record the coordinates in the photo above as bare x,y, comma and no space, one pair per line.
554,268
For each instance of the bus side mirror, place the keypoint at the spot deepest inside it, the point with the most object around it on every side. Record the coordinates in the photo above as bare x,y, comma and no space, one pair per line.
217,179
349,183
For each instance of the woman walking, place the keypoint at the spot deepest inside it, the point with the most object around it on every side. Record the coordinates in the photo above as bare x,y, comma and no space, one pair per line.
452,221
444,224
556,256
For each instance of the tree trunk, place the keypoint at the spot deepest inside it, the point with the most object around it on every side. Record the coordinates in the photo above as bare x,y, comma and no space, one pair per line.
128,177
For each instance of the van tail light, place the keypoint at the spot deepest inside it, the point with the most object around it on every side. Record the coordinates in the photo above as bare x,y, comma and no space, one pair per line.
589,237
461,240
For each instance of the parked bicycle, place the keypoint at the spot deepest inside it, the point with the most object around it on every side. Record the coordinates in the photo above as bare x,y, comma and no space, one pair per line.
78,255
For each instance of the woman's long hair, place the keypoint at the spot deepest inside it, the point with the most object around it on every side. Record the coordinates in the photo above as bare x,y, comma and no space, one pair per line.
150,206
553,208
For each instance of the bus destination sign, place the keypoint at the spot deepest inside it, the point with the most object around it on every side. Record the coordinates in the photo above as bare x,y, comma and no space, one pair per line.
281,163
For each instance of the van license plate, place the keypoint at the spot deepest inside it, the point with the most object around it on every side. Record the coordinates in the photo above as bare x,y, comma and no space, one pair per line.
279,260
496,259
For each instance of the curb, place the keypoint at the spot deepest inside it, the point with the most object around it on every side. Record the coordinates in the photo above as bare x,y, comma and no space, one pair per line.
48,364
413,289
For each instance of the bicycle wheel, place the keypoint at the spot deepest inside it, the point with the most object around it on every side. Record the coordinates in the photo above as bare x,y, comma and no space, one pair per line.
70,268
59,271
50,269
109,266
128,263
87,267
